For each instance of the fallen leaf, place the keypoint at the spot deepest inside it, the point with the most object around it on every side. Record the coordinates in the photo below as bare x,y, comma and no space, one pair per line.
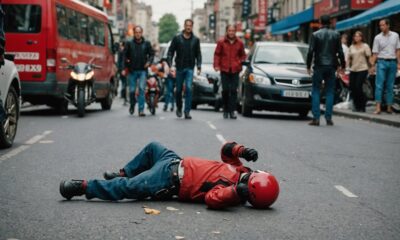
179,237
151,211
172,209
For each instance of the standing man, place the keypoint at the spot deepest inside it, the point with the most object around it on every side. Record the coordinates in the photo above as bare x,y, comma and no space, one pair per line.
325,48
386,45
228,57
138,56
188,54
122,77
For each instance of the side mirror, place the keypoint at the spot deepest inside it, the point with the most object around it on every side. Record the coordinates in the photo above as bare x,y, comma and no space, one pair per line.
94,66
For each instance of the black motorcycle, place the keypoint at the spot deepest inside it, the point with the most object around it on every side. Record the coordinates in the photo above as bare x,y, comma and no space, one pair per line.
80,91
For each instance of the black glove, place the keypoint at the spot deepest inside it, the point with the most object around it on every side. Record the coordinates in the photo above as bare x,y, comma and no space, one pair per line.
243,191
249,154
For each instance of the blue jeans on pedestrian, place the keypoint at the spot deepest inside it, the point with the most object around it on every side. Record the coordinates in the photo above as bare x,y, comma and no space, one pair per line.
326,73
169,96
133,78
146,174
385,77
184,76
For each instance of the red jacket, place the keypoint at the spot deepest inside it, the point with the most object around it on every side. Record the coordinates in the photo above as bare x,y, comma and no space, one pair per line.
211,181
228,57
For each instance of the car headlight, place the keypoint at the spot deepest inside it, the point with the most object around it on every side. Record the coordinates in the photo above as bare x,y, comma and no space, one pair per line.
254,78
200,79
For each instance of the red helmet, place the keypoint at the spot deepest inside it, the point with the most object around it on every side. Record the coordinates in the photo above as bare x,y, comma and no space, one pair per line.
263,189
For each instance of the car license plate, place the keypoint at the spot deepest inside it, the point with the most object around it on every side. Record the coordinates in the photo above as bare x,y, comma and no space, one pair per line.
295,94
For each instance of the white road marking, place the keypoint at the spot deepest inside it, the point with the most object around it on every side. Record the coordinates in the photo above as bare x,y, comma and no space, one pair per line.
37,138
46,141
211,126
24,147
162,118
64,117
345,191
14,152
221,138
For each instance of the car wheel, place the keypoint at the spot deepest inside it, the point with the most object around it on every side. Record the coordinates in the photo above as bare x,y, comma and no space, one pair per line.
246,110
108,100
8,128
61,106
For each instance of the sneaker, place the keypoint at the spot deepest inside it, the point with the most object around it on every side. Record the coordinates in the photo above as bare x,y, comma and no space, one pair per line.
329,122
142,114
225,115
108,175
187,115
165,108
178,113
314,122
69,189
232,115
132,109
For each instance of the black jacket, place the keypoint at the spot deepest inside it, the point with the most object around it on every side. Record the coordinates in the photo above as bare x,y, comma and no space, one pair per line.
326,48
137,55
177,45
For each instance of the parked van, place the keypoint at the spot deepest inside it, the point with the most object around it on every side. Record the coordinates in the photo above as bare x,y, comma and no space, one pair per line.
42,32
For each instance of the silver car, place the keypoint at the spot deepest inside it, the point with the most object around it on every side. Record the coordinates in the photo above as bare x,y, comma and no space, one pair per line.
10,93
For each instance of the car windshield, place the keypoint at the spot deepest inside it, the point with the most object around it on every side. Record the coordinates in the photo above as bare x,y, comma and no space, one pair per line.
207,54
22,18
276,54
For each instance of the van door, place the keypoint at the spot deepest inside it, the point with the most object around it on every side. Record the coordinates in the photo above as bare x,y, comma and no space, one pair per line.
26,38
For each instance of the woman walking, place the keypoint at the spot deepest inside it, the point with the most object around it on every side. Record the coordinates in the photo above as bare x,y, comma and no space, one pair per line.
358,60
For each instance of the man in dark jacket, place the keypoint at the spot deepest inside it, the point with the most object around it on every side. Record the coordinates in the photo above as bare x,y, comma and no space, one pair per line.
138,56
160,173
188,54
325,49
228,57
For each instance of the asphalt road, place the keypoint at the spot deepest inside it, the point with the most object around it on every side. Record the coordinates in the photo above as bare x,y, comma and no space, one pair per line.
339,182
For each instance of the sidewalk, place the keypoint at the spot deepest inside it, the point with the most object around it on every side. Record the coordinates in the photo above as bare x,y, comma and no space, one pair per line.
383,118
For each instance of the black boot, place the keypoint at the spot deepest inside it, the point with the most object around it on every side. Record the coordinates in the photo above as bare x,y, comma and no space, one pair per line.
187,115
225,115
179,113
108,175
69,189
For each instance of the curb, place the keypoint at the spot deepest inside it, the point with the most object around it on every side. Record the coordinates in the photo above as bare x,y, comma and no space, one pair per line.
368,118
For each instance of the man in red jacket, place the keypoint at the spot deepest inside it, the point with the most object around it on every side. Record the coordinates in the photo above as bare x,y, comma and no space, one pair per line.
159,173
228,57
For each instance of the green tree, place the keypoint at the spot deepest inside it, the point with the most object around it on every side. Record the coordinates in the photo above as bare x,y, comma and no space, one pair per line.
168,28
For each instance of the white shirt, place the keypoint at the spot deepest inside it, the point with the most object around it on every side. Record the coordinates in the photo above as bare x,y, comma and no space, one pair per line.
386,45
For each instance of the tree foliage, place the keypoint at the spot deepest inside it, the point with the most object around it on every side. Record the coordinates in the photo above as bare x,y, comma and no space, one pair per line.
168,28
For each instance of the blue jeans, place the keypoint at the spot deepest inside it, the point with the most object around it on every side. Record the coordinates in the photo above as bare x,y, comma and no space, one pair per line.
184,76
326,73
385,76
146,174
133,77
169,96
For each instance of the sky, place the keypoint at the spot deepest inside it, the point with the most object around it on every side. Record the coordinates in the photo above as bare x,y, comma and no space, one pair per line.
180,8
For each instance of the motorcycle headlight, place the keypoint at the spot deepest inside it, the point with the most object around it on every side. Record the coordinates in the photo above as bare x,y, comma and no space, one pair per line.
254,78
200,79
89,75
78,76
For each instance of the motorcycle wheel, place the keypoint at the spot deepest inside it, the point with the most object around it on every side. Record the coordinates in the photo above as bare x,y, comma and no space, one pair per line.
152,107
81,102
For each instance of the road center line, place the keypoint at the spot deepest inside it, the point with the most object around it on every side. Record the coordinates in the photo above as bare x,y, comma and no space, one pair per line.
14,152
221,138
212,126
345,191
37,138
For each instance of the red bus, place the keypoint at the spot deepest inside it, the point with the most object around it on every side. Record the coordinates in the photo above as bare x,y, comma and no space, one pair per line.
41,32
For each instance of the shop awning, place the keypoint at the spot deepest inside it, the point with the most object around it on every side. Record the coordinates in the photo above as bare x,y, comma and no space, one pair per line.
293,22
382,10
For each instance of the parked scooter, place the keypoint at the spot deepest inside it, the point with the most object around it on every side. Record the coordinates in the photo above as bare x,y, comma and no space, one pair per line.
80,91
342,89
152,92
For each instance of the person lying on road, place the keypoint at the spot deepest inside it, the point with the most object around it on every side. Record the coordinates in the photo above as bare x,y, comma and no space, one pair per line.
159,173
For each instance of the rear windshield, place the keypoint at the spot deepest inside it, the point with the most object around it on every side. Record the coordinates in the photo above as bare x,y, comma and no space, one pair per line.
22,18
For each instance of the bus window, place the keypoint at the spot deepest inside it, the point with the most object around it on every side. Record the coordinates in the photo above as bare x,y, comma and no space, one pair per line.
22,18
73,25
62,21
83,28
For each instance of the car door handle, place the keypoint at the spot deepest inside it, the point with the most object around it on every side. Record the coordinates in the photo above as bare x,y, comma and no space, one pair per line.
30,42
